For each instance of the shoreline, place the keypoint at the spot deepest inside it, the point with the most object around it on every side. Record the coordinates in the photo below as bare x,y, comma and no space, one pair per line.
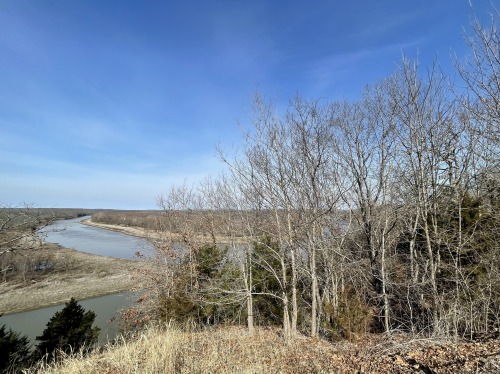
140,232
127,230
61,302
75,274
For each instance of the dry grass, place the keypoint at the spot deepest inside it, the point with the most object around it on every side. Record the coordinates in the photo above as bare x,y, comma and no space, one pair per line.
169,350
232,350
75,274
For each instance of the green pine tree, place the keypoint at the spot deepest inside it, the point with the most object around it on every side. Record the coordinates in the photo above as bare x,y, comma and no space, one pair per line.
267,309
68,331
14,350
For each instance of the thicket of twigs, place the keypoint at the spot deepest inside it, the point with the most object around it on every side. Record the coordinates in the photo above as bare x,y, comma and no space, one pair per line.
376,215
143,219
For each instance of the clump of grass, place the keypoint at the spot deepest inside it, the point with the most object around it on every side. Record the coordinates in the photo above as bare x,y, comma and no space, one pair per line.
166,350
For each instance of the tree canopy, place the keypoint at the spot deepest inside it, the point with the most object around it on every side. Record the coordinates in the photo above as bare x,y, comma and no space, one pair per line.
69,330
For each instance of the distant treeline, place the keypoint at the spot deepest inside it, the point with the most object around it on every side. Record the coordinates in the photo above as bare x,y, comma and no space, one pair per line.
172,221
143,219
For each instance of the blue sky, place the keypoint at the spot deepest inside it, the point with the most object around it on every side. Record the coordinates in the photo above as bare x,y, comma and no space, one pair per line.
106,104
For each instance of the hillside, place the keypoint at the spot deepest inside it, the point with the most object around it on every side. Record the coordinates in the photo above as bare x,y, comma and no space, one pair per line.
231,350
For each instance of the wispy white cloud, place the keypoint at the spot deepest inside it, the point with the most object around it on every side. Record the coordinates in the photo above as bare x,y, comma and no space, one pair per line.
340,68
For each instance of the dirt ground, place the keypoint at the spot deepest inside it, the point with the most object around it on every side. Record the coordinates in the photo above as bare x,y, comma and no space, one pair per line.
74,274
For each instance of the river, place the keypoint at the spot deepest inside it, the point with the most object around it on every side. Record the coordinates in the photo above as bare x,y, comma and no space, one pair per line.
33,322
73,234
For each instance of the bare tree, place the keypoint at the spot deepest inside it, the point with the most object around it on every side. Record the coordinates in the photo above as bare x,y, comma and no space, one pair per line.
236,222
481,73
434,160
316,187
265,174
366,144
19,235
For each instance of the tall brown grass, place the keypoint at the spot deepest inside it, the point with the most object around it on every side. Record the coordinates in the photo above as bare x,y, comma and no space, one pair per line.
230,349
168,350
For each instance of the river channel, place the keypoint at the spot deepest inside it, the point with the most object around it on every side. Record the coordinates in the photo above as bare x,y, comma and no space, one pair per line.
73,234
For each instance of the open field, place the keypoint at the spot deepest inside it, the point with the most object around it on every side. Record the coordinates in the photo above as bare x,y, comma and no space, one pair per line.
73,274
232,350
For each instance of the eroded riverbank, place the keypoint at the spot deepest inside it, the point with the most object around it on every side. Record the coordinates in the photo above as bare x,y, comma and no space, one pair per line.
127,230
